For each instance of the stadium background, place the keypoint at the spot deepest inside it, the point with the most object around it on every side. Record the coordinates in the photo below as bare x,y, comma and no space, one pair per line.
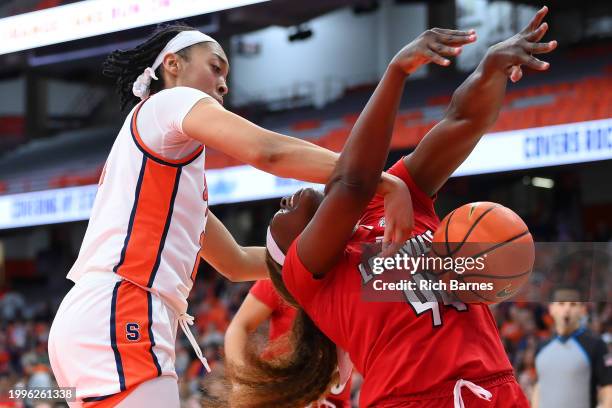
304,68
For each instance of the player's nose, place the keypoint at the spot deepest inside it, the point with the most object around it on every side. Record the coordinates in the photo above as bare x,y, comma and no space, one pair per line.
222,88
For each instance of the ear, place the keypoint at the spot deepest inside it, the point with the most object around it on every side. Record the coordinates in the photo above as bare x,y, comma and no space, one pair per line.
171,64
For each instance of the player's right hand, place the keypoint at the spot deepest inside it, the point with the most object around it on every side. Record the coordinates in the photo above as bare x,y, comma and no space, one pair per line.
435,45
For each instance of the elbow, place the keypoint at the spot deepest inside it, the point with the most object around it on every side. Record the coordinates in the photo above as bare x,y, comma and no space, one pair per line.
360,189
477,119
262,160
361,180
229,270
471,122
265,156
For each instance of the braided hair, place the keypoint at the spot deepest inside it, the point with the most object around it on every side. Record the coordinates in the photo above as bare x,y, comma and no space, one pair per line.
124,66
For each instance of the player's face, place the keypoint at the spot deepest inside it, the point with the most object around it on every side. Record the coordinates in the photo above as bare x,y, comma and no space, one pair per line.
296,212
206,69
567,316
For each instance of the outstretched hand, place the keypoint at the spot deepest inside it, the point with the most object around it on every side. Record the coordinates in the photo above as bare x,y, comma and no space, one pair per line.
518,50
435,45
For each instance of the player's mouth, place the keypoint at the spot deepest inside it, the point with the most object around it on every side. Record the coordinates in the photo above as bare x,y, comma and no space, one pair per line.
289,203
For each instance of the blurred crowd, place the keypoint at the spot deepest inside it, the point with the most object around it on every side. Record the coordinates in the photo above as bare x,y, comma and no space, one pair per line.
23,340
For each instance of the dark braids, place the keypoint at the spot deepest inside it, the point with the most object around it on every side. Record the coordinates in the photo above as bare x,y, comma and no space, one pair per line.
124,66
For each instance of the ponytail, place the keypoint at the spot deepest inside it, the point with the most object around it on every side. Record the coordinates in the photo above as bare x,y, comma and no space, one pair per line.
124,66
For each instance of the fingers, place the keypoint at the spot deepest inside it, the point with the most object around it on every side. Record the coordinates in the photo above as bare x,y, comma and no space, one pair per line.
452,37
447,43
388,236
540,48
437,59
445,50
534,63
516,73
456,40
390,245
537,35
454,32
448,39
390,249
536,20
400,236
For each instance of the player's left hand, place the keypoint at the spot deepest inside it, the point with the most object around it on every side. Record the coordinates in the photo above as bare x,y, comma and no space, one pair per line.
509,55
436,45
399,218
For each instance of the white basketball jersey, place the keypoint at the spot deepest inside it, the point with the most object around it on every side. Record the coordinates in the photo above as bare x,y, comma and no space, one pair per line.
150,210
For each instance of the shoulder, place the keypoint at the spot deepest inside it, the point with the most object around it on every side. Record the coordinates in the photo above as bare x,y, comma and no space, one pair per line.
300,282
173,104
179,92
591,343
544,344
264,291
169,107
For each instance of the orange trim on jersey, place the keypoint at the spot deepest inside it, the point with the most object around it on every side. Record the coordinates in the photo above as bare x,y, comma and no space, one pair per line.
199,255
133,335
196,266
150,152
109,402
148,228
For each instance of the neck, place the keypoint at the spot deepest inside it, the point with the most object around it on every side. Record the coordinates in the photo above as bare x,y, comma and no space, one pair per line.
567,330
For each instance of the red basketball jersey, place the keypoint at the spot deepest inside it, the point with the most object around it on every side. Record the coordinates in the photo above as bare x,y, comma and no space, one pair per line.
409,350
282,315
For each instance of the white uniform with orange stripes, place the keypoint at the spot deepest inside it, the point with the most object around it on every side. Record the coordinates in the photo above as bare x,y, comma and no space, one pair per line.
116,328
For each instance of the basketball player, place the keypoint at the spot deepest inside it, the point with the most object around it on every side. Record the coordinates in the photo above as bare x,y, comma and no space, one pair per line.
114,333
261,304
413,354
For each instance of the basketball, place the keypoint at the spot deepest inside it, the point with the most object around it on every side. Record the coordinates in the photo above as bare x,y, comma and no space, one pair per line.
491,249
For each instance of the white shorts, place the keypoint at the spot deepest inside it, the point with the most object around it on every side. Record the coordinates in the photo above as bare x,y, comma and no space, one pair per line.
109,336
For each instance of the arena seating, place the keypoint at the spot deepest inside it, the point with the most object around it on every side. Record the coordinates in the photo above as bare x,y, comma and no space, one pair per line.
527,107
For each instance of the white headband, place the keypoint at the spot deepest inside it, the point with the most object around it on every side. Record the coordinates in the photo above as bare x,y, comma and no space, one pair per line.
180,41
273,249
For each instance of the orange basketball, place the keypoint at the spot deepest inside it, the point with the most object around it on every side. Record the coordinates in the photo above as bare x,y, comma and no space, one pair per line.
497,242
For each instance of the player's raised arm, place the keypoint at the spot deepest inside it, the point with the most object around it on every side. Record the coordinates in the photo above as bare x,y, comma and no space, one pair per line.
475,105
357,172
